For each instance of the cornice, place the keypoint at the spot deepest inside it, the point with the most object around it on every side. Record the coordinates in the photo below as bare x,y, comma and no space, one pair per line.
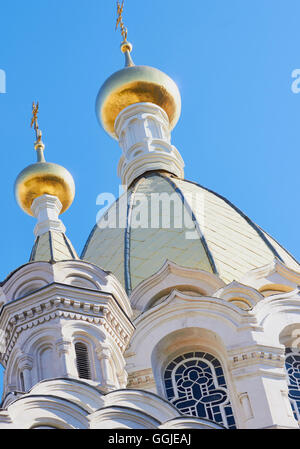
252,356
141,379
45,273
97,308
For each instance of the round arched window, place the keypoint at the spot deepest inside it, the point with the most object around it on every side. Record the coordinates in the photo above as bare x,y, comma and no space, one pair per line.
196,385
292,365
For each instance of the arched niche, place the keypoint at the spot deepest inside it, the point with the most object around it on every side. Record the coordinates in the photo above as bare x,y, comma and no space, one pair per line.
180,341
187,351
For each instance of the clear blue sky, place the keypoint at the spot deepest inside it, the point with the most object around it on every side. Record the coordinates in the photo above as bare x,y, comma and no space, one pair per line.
239,128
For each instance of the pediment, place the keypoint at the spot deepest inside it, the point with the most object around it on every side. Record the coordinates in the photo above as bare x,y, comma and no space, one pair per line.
276,277
239,294
192,282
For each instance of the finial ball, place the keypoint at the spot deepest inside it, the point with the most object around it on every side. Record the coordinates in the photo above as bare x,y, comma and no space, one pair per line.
126,46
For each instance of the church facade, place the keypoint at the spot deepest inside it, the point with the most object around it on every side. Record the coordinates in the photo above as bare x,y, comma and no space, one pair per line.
180,313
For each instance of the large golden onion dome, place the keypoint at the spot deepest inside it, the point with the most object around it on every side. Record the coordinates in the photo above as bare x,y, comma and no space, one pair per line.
43,178
136,84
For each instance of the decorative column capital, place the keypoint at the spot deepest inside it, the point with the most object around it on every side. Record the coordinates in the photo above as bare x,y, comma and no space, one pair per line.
103,352
62,346
25,361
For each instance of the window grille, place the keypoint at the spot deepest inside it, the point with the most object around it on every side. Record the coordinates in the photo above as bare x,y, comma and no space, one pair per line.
196,385
292,366
82,361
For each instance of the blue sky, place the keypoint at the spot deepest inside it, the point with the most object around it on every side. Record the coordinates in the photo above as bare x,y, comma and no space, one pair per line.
239,128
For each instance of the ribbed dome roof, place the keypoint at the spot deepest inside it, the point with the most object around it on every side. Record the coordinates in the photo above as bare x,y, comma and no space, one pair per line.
215,236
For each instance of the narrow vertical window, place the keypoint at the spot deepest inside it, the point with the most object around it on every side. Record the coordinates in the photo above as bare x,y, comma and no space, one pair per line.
82,361
195,384
292,366
22,381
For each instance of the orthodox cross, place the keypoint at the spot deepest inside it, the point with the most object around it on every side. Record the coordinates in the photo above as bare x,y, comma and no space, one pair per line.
34,122
120,8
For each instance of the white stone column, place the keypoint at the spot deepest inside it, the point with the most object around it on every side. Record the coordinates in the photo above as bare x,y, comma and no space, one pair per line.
104,355
144,137
46,209
25,364
123,378
62,348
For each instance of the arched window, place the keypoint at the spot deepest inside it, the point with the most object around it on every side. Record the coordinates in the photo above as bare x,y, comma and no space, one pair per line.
292,365
82,361
196,385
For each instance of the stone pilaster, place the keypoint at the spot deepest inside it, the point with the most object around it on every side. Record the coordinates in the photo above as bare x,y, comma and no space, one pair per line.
260,381
25,364
104,355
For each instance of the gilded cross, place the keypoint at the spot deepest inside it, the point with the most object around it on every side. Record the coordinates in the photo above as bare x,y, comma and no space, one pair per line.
120,9
34,122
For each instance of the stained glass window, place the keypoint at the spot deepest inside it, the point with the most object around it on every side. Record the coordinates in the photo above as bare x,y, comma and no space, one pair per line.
196,385
292,365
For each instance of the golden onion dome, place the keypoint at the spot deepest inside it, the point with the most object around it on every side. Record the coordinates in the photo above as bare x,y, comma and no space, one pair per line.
136,84
43,178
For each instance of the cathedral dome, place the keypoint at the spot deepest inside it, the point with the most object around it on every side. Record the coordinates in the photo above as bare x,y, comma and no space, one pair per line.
215,236
162,217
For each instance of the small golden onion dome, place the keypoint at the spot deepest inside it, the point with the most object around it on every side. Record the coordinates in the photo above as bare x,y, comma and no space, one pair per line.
136,84
43,178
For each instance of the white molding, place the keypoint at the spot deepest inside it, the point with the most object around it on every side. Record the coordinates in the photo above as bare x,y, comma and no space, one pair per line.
276,272
96,307
67,403
35,275
169,276
235,290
